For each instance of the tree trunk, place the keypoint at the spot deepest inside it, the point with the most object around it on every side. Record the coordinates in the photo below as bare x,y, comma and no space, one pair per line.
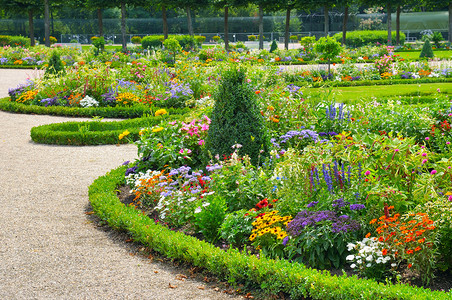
46,23
123,26
165,22
31,28
190,24
450,22
327,20
51,23
344,25
398,25
226,29
261,27
286,31
99,22
389,24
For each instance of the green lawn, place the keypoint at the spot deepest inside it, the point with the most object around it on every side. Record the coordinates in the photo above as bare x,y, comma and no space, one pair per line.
411,55
351,94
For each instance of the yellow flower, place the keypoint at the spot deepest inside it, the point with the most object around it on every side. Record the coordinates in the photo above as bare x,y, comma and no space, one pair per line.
160,112
157,129
124,134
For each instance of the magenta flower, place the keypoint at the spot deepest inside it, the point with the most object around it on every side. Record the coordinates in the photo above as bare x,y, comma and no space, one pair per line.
450,198
201,142
447,143
424,154
433,172
367,173
427,138
396,150
424,161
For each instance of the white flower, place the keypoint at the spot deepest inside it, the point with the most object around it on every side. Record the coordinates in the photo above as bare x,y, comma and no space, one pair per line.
198,210
369,258
206,204
369,265
393,265
350,246
350,257
352,266
88,102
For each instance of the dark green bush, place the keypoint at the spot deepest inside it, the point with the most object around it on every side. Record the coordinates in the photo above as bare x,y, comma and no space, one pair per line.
236,119
366,37
273,46
55,65
152,42
426,50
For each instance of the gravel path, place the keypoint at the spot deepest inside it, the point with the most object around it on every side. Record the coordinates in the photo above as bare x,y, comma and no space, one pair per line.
49,248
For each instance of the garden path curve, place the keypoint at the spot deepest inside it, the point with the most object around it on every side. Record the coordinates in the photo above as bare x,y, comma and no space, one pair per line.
49,248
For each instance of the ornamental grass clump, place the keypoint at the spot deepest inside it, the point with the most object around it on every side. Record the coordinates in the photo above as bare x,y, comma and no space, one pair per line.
236,119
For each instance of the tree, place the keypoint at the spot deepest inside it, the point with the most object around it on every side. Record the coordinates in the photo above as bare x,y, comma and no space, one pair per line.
388,4
122,4
441,4
98,5
225,4
190,5
19,6
46,23
267,5
163,5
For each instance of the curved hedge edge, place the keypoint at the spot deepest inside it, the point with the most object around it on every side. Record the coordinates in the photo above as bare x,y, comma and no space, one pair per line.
105,112
273,276
19,67
93,133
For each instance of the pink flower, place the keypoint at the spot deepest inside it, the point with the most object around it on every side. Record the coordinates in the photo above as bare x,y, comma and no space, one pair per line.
450,198
447,143
427,138
396,150
424,161
207,119
172,123
433,172
367,173
438,90
201,142
424,154
204,127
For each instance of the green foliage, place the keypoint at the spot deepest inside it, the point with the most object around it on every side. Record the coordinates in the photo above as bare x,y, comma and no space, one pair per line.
366,37
210,216
426,50
14,41
251,38
272,276
172,46
136,40
55,66
237,227
273,46
99,43
293,38
152,42
200,39
216,38
327,48
307,42
236,119
437,38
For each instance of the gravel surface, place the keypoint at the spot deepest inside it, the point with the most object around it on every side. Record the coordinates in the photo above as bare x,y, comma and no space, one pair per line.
49,247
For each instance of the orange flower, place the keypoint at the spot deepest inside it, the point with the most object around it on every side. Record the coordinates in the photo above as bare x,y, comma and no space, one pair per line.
384,252
380,239
409,266
368,235
409,252
421,241
417,248
257,92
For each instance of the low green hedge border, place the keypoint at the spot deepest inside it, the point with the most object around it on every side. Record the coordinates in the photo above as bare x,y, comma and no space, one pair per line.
119,112
94,132
367,82
19,67
272,276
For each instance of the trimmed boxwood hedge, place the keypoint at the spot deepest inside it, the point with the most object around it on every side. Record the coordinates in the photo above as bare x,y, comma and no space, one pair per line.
104,112
93,132
369,82
19,67
272,276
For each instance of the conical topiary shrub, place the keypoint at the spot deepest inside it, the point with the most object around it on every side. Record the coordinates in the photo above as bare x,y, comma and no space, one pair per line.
55,65
236,119
426,50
